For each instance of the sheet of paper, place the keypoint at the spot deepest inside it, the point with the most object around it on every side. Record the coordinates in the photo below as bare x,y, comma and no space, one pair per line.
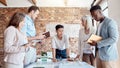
36,41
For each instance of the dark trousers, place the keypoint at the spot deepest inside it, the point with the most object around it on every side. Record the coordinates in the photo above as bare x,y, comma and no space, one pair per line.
89,58
61,54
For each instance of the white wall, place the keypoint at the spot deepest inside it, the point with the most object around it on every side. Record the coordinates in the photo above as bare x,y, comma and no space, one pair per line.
68,29
114,12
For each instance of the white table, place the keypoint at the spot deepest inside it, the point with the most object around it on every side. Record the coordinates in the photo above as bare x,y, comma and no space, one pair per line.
60,64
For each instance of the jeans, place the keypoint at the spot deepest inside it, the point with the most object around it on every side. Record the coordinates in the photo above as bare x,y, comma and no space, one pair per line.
30,57
61,54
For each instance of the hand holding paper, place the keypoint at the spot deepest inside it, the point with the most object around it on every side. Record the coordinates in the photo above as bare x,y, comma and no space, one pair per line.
47,34
94,43
93,39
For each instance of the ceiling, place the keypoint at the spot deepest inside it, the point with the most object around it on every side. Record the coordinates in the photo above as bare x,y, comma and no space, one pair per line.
47,3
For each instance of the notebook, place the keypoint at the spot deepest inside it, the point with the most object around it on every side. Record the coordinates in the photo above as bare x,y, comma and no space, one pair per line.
94,37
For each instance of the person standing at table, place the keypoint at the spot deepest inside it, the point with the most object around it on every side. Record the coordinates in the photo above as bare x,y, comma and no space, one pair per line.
15,42
108,30
60,44
29,29
86,52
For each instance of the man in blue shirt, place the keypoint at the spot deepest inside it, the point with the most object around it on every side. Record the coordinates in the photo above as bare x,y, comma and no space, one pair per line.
29,29
108,30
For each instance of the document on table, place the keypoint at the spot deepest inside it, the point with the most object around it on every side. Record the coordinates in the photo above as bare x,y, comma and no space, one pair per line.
61,64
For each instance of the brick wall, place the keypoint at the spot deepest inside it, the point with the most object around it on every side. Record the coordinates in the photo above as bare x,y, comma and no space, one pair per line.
47,15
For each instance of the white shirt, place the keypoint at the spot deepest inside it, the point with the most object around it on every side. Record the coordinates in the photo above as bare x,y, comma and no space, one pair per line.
99,28
60,44
13,45
83,47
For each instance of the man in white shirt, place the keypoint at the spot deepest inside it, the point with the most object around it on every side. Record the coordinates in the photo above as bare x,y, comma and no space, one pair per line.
60,44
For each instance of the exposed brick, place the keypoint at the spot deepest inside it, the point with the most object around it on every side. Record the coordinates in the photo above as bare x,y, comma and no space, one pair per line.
47,15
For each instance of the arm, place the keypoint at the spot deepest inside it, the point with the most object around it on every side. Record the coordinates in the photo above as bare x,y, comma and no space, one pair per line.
67,47
54,50
25,30
9,40
32,38
68,52
54,53
112,33
37,37
80,45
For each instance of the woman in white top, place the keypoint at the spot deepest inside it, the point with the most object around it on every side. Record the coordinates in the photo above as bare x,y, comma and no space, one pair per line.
15,42
86,52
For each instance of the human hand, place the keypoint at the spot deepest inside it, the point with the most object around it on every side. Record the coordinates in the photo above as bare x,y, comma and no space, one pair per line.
40,36
94,43
28,44
77,57
54,59
70,59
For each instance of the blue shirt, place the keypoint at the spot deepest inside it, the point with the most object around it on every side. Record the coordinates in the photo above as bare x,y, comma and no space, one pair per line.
29,27
30,31
107,47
